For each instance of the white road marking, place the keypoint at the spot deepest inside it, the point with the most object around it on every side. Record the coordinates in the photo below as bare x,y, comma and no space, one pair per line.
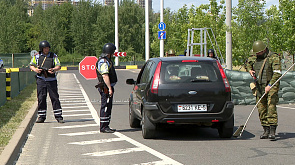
74,96
81,98
152,163
91,108
139,146
77,126
165,158
285,107
115,152
97,141
73,103
87,114
75,111
75,107
80,133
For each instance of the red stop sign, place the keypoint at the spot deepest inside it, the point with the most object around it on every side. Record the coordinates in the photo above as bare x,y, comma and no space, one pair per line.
87,67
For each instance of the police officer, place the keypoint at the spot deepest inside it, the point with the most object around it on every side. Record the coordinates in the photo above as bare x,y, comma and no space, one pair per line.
107,78
46,64
211,53
266,67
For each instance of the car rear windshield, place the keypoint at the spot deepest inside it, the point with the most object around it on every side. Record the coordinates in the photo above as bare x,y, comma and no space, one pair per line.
189,72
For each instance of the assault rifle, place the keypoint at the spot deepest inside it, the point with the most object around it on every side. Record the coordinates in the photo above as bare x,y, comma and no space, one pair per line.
102,87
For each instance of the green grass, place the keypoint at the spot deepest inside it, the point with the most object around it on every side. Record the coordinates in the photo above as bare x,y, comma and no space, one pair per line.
13,112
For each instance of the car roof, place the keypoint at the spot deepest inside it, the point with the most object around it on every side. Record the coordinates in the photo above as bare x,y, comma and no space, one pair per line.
180,58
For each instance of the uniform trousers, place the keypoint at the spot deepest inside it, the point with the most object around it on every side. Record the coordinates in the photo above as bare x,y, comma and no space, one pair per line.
51,87
105,109
267,106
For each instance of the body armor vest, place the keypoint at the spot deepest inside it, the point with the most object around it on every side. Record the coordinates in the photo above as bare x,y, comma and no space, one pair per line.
112,73
48,63
267,71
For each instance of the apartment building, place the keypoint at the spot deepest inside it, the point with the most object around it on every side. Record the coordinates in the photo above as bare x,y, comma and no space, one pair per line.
47,3
139,2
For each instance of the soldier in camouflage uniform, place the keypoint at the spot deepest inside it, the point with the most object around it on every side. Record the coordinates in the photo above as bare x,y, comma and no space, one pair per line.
271,72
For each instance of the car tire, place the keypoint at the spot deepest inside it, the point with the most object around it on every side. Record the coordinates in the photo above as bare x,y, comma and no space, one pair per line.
148,128
225,129
133,121
1,66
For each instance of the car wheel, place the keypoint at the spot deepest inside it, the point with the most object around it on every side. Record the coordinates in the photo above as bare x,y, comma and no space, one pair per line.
148,128
225,129
133,121
1,66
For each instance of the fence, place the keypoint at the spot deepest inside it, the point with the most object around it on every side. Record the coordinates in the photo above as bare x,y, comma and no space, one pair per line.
16,60
12,81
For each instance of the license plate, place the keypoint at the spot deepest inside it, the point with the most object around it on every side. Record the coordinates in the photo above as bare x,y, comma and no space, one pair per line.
192,108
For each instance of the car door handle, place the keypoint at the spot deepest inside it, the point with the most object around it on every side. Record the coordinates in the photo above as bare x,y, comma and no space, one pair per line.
141,90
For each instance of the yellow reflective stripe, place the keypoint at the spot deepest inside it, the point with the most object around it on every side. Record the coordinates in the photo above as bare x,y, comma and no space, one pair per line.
64,68
131,66
8,98
14,69
8,70
8,88
8,79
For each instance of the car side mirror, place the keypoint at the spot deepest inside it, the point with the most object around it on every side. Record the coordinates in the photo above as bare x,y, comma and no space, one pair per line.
130,81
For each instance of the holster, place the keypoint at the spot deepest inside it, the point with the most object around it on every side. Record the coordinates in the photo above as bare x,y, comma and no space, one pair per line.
253,88
102,87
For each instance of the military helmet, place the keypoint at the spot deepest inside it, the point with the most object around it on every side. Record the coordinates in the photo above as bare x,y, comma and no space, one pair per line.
109,48
43,44
258,46
171,51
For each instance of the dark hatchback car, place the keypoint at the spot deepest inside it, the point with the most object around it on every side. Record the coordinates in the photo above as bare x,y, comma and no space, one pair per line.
181,90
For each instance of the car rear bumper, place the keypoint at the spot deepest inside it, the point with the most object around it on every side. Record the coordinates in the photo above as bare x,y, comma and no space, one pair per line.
157,116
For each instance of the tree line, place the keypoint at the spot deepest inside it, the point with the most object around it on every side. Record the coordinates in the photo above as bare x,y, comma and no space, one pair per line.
82,30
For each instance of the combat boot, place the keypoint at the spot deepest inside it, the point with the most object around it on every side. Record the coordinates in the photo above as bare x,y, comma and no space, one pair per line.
265,134
272,133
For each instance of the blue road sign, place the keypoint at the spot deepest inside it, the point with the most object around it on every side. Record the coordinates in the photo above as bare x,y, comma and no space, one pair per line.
162,26
162,35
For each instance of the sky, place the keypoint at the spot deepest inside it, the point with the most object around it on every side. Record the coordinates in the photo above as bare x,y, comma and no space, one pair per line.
177,4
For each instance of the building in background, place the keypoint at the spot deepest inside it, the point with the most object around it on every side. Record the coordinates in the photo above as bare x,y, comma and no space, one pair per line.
141,3
109,2
47,3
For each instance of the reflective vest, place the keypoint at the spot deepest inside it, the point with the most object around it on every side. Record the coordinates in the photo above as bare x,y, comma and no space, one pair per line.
112,72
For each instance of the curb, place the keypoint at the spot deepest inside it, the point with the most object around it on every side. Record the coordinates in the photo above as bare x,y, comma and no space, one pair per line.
11,152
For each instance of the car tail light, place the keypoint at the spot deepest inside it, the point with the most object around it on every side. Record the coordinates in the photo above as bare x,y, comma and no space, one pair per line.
225,81
189,61
156,79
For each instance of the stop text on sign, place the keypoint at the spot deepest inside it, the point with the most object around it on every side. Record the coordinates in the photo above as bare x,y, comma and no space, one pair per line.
88,67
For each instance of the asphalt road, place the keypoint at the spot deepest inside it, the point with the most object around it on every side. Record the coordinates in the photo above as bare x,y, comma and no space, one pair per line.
78,141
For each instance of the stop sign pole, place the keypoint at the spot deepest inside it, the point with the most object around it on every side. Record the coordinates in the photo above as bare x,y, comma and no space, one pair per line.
87,67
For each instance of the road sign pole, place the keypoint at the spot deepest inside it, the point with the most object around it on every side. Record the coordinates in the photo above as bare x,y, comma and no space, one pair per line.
162,20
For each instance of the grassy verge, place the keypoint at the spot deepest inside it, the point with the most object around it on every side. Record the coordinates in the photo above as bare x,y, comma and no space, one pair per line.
13,112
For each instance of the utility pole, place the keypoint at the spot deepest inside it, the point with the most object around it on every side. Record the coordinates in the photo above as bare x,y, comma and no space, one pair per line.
116,32
228,35
147,31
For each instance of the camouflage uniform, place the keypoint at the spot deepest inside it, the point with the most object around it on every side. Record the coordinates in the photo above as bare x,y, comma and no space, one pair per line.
270,74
